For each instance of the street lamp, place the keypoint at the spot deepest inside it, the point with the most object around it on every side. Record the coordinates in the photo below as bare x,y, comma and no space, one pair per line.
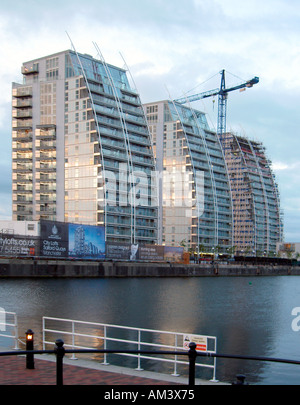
29,347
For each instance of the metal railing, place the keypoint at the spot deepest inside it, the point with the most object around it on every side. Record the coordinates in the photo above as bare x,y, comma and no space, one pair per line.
13,324
192,355
107,335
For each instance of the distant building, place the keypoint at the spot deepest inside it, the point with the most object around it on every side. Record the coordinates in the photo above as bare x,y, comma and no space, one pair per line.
81,150
194,199
288,250
257,217
24,228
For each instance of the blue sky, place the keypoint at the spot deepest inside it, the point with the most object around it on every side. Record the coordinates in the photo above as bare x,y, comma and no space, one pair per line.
172,47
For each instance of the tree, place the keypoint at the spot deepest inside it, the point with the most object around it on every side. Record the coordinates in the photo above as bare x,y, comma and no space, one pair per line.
183,243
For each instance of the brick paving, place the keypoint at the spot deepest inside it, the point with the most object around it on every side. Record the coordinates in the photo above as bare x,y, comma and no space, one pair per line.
13,371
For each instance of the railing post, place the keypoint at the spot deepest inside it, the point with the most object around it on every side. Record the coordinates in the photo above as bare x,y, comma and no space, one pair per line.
175,374
73,340
139,348
105,346
16,332
60,352
44,346
192,362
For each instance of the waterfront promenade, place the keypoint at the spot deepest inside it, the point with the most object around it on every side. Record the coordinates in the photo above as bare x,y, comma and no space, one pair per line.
13,371
55,268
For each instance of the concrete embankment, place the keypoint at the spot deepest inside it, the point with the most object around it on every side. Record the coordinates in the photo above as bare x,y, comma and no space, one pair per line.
11,268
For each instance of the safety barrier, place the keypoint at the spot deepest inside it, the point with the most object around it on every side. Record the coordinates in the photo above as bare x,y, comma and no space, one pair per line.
9,320
79,334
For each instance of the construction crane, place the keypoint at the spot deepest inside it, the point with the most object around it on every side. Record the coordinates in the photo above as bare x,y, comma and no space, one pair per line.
222,92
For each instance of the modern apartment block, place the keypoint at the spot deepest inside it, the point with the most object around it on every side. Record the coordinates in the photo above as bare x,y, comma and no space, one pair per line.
195,200
81,149
257,218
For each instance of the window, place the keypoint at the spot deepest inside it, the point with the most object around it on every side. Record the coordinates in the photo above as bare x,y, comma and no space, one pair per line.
52,74
152,109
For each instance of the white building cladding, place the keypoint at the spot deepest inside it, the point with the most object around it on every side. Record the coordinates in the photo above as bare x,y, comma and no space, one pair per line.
194,191
81,148
258,224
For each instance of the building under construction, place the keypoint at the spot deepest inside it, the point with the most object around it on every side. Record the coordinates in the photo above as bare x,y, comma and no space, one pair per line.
194,199
257,219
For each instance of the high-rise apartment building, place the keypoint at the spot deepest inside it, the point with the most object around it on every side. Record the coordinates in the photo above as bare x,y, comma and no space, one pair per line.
81,148
257,218
195,199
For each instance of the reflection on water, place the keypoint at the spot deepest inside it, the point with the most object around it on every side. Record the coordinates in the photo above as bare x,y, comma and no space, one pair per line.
248,315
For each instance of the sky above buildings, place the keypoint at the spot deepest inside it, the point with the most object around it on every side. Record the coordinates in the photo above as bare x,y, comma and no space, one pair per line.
173,48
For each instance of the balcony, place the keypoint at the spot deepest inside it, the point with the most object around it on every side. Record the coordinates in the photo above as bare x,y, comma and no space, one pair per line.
22,91
22,124
25,113
22,103
48,166
22,135
30,70
24,178
22,210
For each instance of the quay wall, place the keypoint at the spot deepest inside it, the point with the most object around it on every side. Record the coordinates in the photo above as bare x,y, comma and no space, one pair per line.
10,268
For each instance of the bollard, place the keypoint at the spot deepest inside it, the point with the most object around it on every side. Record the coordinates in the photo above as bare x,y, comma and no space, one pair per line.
29,347
192,362
60,352
240,380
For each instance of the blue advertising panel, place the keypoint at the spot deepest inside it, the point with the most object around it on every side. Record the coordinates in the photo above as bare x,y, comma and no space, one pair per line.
86,241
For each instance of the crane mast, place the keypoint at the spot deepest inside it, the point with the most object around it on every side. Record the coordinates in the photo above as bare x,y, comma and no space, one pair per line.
222,93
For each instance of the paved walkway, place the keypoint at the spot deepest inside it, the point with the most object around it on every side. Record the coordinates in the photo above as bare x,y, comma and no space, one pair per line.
13,371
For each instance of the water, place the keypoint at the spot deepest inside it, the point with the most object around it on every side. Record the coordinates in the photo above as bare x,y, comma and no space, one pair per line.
248,315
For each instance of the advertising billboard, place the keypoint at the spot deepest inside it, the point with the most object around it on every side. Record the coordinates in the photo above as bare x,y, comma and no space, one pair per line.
173,254
151,253
14,245
86,241
54,239
131,252
66,240
122,251
118,251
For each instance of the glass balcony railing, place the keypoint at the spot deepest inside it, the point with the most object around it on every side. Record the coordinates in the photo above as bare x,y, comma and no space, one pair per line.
22,91
29,70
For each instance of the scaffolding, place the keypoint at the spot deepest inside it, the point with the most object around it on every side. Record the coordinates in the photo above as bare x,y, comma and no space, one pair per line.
257,222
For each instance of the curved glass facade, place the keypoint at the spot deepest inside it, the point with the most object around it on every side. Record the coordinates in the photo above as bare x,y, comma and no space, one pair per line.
81,141
195,194
126,194
257,216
